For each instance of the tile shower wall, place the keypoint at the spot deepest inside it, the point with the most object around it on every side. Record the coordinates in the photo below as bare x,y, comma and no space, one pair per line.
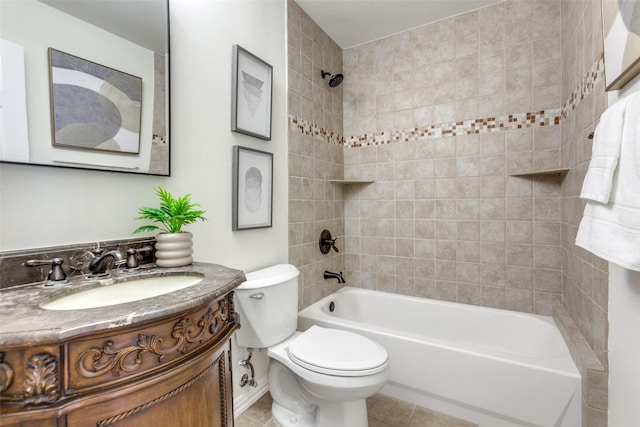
585,276
440,117
315,154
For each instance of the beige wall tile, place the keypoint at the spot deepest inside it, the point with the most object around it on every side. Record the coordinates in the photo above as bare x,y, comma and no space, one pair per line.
492,296
443,219
547,280
468,294
518,299
519,277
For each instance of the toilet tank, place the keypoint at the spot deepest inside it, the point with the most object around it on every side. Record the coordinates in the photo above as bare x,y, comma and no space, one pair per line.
267,303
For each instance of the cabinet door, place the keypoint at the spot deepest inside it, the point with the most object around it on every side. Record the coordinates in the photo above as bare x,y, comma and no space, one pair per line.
38,423
197,395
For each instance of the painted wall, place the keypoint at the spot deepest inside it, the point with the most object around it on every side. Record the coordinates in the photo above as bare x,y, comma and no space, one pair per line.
204,32
44,206
624,346
624,340
62,206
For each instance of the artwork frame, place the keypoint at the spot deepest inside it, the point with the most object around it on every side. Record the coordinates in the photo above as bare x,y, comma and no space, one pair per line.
621,32
252,207
93,106
251,94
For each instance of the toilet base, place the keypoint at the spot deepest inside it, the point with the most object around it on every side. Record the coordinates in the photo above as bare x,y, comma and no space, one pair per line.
294,406
345,414
286,418
331,414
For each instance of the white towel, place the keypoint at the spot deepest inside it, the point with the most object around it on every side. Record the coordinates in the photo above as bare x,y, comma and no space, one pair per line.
607,141
610,227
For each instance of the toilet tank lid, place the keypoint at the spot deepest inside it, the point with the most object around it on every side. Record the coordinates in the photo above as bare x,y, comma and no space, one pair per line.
269,276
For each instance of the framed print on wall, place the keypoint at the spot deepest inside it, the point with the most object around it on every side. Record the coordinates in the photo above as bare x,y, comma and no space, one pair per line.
93,107
621,28
252,189
251,92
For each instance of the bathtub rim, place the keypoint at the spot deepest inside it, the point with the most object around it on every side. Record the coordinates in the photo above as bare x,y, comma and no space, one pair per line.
562,364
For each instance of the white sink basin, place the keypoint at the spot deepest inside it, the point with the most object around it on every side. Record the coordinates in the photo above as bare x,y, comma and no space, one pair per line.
119,293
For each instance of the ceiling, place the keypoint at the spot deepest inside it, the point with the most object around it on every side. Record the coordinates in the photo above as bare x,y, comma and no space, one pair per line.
142,22
353,22
348,22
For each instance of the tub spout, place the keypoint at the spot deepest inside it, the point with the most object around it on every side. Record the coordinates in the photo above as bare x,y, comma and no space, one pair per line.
331,275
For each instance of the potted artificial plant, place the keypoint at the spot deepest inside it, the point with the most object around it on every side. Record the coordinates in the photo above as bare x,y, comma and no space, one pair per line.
173,246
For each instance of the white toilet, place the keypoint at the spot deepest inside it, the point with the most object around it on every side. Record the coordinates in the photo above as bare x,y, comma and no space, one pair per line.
317,378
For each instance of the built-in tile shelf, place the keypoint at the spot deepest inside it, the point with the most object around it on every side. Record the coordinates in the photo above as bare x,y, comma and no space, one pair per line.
560,171
349,181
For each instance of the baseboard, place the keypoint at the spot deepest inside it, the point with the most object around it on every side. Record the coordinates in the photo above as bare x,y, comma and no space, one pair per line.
245,400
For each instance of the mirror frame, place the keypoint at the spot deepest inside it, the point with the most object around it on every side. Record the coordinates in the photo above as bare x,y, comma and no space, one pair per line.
167,124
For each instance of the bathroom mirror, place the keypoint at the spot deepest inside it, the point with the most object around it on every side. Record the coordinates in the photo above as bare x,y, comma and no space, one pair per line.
102,42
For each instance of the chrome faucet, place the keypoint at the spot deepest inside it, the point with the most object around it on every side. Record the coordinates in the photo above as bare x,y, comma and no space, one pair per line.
331,275
100,262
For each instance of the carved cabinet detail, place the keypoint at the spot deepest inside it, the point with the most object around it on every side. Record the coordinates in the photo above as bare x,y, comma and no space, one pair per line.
171,371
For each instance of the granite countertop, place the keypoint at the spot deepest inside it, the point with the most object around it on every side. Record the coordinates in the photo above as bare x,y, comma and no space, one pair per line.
24,321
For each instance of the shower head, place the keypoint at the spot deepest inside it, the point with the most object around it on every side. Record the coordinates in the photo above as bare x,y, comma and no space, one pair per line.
334,79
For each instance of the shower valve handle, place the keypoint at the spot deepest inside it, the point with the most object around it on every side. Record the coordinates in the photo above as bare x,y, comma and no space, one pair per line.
326,242
331,243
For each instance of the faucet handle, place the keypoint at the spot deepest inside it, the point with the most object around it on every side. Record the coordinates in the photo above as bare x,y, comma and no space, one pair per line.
132,260
56,274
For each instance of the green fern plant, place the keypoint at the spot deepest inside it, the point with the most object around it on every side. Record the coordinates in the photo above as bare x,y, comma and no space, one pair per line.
173,214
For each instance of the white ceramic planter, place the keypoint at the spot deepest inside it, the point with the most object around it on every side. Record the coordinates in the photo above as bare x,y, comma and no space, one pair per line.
174,249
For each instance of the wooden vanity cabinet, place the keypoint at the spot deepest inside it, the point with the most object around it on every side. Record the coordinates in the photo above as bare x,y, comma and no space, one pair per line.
173,372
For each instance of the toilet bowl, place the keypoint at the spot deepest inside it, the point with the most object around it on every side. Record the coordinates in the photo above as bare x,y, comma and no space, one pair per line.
317,378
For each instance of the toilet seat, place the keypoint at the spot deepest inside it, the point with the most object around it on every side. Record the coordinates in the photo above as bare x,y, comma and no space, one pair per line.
337,352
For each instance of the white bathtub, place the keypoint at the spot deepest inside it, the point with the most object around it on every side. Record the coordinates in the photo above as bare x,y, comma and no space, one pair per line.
492,367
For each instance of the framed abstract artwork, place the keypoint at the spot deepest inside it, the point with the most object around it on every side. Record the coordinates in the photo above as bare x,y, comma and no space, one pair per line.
93,107
252,204
621,30
251,92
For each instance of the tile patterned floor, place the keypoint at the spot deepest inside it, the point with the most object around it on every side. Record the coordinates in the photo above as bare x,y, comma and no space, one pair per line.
384,411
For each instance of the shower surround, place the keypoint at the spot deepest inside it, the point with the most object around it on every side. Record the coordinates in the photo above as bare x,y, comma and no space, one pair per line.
463,126
441,117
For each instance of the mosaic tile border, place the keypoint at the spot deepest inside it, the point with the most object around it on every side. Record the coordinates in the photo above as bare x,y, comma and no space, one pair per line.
305,127
466,127
551,117
585,86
